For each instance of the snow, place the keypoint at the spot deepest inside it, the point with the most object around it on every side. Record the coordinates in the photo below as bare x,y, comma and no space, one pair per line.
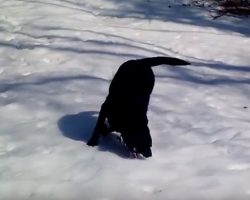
57,60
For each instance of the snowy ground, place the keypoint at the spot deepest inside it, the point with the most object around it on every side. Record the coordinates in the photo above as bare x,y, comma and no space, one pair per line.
57,60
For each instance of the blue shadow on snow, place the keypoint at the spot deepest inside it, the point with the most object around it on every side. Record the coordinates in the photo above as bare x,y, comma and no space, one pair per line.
80,127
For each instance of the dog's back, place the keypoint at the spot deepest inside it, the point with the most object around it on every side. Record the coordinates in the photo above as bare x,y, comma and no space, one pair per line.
129,95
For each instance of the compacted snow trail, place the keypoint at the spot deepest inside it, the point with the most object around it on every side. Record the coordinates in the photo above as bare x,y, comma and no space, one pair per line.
57,59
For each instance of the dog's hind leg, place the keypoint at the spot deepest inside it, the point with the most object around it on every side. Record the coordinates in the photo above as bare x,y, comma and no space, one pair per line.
101,127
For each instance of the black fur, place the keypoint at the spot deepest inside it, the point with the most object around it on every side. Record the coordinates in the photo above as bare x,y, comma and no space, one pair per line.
126,105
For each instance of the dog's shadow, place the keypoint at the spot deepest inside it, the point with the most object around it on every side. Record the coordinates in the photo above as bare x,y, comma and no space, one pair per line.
80,127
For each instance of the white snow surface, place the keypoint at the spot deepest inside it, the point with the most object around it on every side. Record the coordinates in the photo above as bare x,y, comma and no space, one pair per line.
57,58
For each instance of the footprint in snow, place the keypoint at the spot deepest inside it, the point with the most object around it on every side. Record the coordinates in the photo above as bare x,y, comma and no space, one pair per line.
1,70
151,189
41,124
26,73
238,167
6,149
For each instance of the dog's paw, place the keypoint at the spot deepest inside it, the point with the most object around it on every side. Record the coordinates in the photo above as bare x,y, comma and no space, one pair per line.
92,142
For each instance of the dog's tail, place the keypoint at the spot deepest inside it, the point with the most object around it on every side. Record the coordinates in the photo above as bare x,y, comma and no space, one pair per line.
154,61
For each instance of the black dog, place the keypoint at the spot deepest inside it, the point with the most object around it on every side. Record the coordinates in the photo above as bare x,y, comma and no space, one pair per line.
125,108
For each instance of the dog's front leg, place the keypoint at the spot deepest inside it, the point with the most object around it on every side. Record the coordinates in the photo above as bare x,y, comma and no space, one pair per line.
99,126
